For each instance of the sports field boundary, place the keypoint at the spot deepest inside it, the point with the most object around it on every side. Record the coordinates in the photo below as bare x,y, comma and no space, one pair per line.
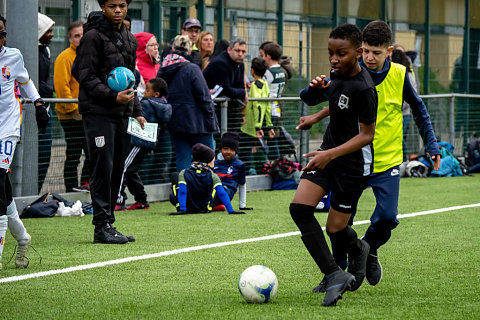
206,246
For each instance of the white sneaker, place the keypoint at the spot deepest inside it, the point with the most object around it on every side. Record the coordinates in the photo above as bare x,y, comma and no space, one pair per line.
21,260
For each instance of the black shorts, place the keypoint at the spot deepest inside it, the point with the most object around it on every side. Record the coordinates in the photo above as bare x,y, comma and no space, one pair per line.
346,189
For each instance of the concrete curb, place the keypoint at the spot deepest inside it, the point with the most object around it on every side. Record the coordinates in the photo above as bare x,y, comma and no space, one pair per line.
155,192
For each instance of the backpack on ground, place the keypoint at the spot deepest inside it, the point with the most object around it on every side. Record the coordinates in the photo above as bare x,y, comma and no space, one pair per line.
285,174
43,207
449,164
473,152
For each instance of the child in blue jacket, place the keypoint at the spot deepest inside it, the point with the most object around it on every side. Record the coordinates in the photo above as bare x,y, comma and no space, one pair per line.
155,110
231,171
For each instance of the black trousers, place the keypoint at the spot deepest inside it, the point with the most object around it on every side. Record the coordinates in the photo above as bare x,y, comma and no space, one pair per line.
76,142
131,178
108,146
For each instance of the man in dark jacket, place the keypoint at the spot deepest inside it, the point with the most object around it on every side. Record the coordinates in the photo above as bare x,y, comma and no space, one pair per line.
228,71
45,89
106,44
193,112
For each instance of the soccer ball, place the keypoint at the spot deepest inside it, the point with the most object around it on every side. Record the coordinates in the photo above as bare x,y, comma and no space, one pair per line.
120,79
258,284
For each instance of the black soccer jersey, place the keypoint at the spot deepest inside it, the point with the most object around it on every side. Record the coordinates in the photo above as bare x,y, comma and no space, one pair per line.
352,101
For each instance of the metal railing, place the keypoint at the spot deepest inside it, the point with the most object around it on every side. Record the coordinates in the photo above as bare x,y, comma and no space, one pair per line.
454,117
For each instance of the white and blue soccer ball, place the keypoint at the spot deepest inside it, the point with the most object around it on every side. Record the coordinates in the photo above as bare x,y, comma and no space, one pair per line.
120,79
258,284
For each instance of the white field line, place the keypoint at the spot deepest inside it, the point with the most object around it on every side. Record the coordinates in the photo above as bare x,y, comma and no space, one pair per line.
203,247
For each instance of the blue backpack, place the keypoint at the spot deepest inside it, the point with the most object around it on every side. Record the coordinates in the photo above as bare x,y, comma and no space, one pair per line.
449,165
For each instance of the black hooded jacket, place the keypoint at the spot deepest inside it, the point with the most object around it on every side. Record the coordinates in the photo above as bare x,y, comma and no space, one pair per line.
45,87
103,48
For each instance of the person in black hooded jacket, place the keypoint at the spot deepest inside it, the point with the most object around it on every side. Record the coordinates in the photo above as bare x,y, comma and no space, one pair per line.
45,89
106,44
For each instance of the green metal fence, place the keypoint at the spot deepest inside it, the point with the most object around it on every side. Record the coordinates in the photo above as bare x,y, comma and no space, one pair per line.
455,117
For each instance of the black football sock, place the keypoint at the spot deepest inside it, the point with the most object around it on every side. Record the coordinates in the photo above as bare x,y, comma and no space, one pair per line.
312,237
339,250
377,236
346,240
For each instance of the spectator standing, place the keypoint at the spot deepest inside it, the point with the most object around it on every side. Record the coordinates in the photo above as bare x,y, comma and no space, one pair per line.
13,74
257,116
155,110
45,88
227,70
148,64
276,79
193,113
219,47
191,28
66,86
148,59
205,46
106,44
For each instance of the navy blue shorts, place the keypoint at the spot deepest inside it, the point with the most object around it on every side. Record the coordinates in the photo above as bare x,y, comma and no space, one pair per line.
346,189
386,188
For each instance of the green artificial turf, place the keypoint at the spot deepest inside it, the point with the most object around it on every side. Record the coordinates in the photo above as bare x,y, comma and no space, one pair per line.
430,264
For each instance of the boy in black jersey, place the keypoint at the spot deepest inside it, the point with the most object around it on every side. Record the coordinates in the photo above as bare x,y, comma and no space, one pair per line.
342,163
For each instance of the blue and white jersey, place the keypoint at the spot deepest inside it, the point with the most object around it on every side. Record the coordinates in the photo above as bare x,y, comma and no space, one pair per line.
13,73
232,173
275,78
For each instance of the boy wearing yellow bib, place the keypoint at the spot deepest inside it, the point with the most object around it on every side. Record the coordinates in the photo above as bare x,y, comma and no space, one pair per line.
393,87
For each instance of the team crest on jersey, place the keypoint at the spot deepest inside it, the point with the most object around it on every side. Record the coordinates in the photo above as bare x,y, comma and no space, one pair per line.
343,102
100,141
229,170
6,72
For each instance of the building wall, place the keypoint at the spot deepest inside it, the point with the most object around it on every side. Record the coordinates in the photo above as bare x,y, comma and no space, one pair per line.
445,49
256,23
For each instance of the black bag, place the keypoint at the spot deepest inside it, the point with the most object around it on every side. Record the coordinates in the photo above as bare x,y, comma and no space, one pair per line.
41,208
473,152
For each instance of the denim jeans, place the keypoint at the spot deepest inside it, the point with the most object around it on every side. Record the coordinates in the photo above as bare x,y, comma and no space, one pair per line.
183,144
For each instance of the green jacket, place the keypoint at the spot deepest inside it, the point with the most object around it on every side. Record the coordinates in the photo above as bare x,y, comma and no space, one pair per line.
258,113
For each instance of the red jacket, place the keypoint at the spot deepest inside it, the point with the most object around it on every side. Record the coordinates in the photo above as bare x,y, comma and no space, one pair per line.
145,64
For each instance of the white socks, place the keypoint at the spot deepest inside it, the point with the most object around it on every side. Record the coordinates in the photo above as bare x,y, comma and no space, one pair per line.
3,230
17,229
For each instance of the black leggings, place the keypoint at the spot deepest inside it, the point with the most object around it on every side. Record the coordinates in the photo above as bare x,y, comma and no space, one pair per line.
5,191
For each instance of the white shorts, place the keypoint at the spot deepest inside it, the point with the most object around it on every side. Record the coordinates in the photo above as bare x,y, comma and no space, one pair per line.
7,149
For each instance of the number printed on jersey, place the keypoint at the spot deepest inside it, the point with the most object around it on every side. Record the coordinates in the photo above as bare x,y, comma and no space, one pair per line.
6,147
